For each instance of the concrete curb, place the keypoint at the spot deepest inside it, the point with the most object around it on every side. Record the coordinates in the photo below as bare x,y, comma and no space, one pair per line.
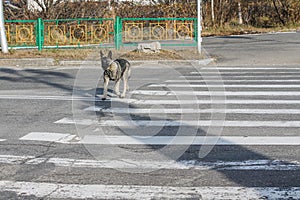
51,63
24,62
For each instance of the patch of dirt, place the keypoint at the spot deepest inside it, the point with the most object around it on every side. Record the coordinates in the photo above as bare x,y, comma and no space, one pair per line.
187,54
162,55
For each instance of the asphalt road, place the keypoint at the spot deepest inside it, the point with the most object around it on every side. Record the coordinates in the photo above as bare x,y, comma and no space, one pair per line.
229,130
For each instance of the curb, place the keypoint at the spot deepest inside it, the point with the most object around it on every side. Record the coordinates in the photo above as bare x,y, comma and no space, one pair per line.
51,63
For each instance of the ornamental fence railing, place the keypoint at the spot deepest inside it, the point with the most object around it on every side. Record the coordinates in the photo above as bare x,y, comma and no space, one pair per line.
100,32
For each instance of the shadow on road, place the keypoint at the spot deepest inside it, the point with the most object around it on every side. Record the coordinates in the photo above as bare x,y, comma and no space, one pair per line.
36,76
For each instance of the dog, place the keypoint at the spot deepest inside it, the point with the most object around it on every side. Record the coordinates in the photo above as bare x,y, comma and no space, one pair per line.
115,70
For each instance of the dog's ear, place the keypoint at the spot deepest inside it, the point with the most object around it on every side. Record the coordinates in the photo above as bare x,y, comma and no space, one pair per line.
101,54
110,54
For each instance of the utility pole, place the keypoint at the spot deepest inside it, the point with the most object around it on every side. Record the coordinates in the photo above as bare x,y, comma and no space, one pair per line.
212,12
199,27
2,30
240,13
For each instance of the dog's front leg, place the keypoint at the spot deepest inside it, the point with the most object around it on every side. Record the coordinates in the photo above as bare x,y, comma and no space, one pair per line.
105,85
117,87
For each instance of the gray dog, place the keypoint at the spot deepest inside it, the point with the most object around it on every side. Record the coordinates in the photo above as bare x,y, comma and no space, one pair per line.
115,70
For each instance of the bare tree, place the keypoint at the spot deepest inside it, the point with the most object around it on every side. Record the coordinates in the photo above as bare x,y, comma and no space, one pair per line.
215,12
276,6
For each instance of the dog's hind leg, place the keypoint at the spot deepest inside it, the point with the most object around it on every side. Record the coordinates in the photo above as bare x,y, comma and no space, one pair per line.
125,82
127,88
105,85
127,78
117,87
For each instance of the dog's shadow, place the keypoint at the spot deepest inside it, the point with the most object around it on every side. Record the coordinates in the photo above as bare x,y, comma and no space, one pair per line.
110,93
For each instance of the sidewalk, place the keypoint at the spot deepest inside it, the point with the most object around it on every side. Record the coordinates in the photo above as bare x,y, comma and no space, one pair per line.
170,57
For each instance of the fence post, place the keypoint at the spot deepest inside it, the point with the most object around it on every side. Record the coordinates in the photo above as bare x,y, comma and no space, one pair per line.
40,34
118,32
195,31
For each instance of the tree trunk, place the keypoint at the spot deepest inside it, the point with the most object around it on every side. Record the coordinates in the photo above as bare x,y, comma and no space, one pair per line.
278,13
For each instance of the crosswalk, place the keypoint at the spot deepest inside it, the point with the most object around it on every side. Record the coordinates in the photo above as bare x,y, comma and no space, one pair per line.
271,100
249,105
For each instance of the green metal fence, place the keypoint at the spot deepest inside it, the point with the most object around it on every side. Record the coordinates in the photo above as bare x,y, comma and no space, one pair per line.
100,32
22,33
169,31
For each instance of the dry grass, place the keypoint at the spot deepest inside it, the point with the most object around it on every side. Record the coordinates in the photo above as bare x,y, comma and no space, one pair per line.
162,55
93,54
184,54
57,54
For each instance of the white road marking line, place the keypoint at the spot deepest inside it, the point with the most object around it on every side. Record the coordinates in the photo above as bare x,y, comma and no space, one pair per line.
190,140
200,123
196,101
243,72
181,111
166,140
66,120
215,93
236,77
230,80
93,191
223,86
249,68
2,140
43,97
267,165
49,137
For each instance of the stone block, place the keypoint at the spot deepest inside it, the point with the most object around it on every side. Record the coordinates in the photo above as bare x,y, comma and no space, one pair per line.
153,47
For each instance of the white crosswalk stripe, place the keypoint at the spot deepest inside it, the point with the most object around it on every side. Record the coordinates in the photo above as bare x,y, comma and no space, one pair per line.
233,81
241,69
243,73
224,86
199,101
215,93
217,76
163,140
190,111
77,191
48,136
45,97
267,165
75,121
199,123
